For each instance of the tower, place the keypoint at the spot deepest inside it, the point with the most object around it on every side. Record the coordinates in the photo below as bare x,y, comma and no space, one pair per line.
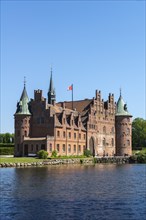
51,92
123,125
22,122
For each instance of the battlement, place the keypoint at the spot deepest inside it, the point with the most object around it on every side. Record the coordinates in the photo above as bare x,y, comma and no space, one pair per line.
38,95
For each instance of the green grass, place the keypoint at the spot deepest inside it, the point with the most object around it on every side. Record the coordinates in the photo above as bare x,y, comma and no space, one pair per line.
20,160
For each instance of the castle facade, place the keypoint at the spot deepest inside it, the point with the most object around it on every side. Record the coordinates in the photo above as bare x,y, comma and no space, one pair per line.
103,127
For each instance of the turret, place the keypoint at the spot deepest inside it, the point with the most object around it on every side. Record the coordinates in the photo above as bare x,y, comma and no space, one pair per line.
123,126
51,92
22,122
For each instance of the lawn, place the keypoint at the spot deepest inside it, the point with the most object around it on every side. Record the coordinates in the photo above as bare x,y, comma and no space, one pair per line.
20,160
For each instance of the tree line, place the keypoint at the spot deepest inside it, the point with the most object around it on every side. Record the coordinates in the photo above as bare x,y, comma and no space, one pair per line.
138,134
6,138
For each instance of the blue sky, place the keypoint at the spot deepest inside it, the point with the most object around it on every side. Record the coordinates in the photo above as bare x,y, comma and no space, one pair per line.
92,44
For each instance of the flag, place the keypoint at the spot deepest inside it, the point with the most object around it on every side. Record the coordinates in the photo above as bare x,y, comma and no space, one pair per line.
69,88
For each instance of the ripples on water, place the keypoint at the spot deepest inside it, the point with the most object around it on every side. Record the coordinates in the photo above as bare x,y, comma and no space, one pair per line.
104,192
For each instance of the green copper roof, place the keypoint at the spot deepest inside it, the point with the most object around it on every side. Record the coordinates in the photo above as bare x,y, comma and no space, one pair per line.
22,105
121,108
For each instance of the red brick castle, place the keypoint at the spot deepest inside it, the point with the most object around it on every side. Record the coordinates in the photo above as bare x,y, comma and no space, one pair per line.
103,127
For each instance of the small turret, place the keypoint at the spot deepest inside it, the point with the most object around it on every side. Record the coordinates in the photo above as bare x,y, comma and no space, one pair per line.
51,92
22,122
123,129
22,105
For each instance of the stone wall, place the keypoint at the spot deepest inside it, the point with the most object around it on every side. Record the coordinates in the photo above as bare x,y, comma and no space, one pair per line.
115,160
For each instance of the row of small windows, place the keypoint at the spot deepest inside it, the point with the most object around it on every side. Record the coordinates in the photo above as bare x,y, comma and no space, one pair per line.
91,126
63,148
69,135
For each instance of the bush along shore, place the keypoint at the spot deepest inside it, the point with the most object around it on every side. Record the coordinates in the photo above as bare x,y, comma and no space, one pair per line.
33,162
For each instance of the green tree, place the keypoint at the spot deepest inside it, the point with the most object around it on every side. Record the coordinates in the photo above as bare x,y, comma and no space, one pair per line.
138,133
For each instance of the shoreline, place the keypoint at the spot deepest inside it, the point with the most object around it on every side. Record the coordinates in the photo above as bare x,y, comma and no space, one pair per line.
85,161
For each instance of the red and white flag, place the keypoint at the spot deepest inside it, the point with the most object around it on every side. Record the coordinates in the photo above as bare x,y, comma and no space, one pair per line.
69,88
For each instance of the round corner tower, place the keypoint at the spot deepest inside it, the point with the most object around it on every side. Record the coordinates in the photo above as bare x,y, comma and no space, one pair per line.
22,123
123,125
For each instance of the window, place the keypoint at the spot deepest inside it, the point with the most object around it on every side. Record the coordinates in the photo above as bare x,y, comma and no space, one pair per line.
37,147
128,143
69,148
32,147
75,135
64,134
84,136
112,142
58,133
128,131
103,142
63,148
79,148
84,148
74,148
79,136
58,147
50,147
69,134
25,133
43,147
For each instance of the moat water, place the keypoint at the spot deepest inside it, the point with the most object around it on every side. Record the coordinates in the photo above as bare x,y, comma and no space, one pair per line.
74,192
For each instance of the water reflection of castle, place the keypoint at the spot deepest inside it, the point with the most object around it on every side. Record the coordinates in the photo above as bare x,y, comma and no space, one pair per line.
104,127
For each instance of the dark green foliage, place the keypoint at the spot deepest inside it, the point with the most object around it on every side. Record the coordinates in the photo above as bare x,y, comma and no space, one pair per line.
7,150
7,138
141,158
138,133
54,153
6,145
42,154
87,153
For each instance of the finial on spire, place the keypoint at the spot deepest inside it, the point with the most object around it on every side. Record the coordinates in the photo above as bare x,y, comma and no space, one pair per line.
120,91
24,81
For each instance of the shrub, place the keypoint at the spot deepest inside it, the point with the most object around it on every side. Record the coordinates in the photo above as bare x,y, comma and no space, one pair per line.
42,154
54,153
141,158
87,153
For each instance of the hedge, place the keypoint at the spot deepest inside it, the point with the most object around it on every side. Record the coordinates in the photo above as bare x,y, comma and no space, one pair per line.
6,150
6,145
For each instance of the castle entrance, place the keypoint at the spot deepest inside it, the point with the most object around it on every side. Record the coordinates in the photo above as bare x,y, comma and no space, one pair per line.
92,146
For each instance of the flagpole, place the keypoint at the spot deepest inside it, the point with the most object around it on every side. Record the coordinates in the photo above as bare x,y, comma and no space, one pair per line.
72,98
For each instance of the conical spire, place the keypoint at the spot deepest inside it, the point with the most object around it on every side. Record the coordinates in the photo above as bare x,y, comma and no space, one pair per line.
121,108
51,92
22,105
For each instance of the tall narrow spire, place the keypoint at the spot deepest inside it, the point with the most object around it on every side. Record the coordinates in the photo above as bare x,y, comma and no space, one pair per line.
22,105
51,92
